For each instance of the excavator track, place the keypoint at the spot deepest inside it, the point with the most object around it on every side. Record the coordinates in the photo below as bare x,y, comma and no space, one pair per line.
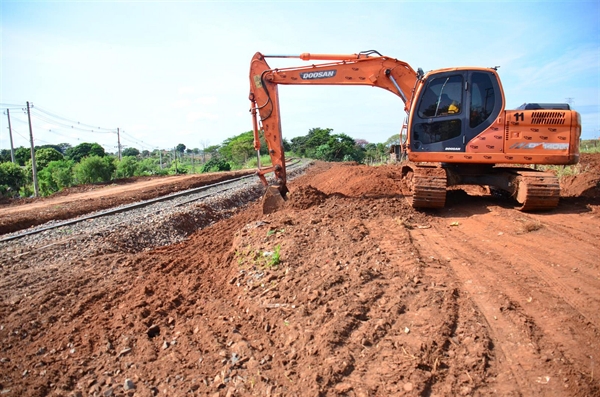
536,190
424,187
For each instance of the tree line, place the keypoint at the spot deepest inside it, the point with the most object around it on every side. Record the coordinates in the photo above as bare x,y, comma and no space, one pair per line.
62,165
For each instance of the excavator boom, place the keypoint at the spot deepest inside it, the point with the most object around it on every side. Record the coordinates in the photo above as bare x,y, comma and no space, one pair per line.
366,68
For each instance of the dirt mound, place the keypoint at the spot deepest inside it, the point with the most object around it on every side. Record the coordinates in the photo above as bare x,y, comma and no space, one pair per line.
586,183
305,197
582,185
360,181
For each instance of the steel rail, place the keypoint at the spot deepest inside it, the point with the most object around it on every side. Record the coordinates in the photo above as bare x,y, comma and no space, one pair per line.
138,204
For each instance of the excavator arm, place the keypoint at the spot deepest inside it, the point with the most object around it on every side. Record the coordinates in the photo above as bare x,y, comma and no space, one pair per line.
366,68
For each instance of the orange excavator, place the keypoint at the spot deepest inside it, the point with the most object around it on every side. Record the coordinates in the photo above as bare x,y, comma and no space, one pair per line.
457,129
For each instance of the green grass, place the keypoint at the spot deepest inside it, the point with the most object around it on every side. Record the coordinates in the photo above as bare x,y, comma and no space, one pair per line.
272,260
252,162
563,170
590,148
263,259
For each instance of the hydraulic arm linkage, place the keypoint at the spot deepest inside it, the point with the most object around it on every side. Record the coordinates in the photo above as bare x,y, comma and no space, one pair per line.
366,68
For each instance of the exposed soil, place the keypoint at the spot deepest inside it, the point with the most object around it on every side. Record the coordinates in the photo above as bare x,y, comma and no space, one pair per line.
72,202
347,291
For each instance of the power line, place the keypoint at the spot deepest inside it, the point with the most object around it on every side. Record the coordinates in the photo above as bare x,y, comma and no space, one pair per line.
72,121
132,139
10,106
50,121
94,129
59,134
26,139
35,140
62,124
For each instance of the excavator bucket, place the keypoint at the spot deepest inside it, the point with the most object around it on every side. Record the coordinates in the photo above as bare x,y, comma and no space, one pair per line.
273,201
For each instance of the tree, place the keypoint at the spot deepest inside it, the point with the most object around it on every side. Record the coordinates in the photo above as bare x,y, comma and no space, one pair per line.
127,167
63,147
56,176
58,148
361,143
130,151
150,166
94,169
321,144
306,146
240,148
287,146
5,155
180,148
84,150
22,154
393,140
12,178
45,155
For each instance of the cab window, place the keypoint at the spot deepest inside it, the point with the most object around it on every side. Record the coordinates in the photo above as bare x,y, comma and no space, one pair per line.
437,132
443,97
482,99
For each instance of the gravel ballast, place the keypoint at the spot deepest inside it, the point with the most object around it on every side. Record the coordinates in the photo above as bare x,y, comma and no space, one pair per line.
158,224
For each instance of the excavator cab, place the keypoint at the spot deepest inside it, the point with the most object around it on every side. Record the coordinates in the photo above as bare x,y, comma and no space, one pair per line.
452,108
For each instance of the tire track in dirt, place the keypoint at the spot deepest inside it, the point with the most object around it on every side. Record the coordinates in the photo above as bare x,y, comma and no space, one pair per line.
523,332
459,332
371,316
506,335
514,238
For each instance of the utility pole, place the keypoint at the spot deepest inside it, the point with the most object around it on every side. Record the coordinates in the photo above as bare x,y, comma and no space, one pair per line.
36,189
119,143
12,148
175,157
160,157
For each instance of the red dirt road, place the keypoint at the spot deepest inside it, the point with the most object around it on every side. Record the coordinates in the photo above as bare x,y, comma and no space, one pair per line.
367,298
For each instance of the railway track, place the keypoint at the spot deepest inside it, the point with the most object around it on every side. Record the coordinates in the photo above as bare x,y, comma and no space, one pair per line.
136,212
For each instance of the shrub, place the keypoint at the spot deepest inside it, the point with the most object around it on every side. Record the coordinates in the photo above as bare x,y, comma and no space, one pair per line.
149,166
214,165
94,169
12,178
178,168
127,167
56,176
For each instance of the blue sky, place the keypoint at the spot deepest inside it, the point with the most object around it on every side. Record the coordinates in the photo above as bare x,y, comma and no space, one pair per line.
177,72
